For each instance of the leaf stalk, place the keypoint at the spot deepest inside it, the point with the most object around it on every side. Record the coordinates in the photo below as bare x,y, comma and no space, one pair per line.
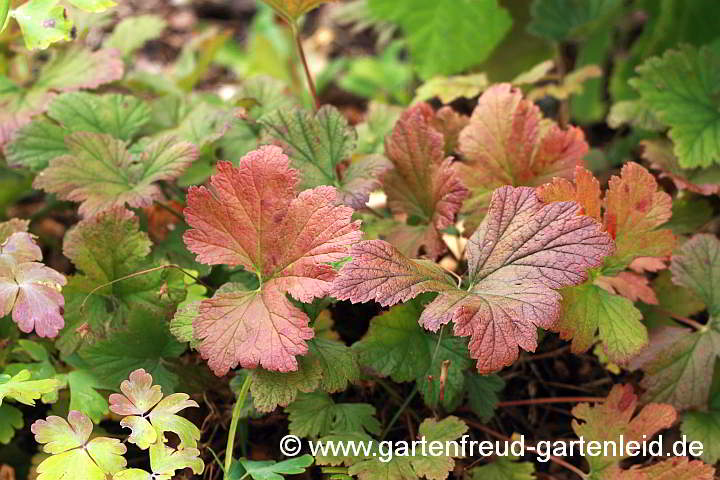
239,403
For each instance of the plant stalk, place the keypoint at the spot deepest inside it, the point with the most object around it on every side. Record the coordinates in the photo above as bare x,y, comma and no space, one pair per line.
239,403
306,67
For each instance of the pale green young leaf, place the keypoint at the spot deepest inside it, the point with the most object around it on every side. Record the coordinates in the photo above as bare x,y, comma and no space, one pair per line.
294,9
446,36
102,174
680,87
72,455
133,32
94,6
181,323
149,415
704,427
19,387
11,419
449,89
316,414
592,313
43,22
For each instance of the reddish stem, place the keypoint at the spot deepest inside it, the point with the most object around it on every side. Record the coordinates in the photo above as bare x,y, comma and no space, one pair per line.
539,401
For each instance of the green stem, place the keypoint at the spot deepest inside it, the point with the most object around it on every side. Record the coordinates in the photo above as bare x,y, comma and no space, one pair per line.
399,412
239,403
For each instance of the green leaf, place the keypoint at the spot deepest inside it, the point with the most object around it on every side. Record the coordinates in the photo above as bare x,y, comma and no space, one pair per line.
592,313
447,36
418,465
270,470
681,88
133,32
329,365
146,343
39,142
11,419
397,346
43,22
19,387
61,72
705,428
316,415
35,144
121,116
561,20
102,174
84,396
504,468
672,300
483,393
103,249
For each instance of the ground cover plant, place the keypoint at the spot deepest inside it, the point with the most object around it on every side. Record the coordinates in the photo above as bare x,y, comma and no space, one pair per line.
227,222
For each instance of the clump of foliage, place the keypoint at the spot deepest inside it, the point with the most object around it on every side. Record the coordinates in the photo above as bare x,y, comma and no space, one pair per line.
448,230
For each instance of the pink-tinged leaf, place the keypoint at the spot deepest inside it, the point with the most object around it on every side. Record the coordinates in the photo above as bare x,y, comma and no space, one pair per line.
648,264
630,285
634,209
521,253
254,218
507,142
606,421
148,415
139,395
20,247
102,174
29,289
18,109
659,152
423,184
251,329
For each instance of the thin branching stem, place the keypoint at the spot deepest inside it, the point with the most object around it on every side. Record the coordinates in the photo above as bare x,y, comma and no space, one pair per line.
139,274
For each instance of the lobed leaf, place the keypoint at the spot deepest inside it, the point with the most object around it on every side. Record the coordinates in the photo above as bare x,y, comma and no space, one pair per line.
20,388
242,222
424,184
102,175
507,142
148,415
518,257
73,455
680,89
